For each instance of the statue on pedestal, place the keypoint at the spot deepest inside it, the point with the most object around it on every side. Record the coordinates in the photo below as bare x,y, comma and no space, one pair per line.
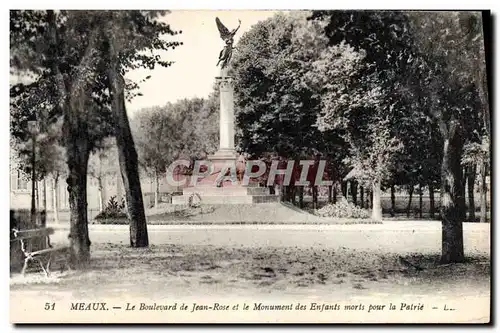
228,37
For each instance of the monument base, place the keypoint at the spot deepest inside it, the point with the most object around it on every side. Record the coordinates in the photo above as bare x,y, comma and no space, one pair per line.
210,190
226,194
224,155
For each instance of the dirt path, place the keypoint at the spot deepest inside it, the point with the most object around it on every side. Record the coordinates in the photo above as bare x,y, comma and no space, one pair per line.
347,264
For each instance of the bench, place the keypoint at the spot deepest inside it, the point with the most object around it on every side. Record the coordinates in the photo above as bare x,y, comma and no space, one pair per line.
36,247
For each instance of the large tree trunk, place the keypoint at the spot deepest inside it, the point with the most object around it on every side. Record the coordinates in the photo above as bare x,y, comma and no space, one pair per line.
377,205
471,177
431,200
393,200
55,198
408,208
78,154
330,198
451,197
127,156
483,191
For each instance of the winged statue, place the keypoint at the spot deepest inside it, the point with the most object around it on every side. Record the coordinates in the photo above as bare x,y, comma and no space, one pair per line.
228,38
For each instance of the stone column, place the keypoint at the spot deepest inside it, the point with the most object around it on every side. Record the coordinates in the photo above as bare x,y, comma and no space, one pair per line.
226,114
226,121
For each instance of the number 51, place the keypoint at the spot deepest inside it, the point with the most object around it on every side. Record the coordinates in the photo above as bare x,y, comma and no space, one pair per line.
49,306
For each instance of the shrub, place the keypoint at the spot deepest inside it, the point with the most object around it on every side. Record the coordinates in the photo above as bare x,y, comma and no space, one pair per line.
343,209
113,210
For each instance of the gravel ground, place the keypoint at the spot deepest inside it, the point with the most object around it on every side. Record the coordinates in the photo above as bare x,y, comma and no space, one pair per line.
290,260
360,266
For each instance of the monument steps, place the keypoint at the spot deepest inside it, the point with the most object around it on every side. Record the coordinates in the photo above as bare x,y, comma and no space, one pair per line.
224,198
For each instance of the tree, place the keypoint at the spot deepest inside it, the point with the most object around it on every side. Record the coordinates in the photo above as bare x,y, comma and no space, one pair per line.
361,91
273,97
37,41
101,165
372,162
185,129
448,70
67,53
197,132
126,35
155,136
478,155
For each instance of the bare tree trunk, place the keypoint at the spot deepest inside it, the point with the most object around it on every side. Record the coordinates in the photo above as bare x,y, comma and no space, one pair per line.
471,177
343,188
451,196
157,189
362,196
102,204
301,196
393,200
33,182
408,208
377,205
354,192
330,189
431,201
293,196
420,199
44,202
315,196
55,198
483,191
37,194
272,190
334,194
462,201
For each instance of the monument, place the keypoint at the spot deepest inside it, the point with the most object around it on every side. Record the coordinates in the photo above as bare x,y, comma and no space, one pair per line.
226,152
209,190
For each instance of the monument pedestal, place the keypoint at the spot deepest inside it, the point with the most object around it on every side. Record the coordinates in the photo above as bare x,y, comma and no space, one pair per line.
209,190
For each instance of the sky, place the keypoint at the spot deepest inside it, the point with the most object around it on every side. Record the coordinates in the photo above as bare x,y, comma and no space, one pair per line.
194,71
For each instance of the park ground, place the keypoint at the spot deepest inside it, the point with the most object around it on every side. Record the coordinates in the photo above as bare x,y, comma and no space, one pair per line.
387,260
